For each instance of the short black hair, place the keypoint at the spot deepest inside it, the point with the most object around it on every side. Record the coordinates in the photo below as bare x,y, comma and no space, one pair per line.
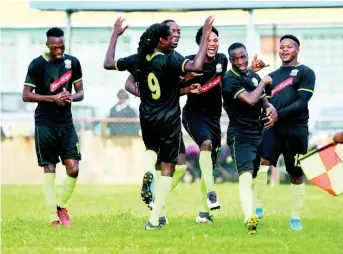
234,46
292,37
55,32
168,20
199,34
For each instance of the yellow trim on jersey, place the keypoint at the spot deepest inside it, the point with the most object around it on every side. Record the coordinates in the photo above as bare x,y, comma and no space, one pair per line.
77,80
115,65
268,96
183,65
263,95
306,90
44,56
234,72
239,91
150,57
29,84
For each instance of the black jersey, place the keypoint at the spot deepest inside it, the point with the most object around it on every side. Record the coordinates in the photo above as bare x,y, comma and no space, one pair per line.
49,78
158,83
209,101
290,86
244,119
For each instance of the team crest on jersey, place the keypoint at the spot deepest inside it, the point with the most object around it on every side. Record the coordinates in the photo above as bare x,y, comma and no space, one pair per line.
219,68
294,72
67,64
254,81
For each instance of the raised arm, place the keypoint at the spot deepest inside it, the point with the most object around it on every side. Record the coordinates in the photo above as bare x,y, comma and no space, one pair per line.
119,29
198,62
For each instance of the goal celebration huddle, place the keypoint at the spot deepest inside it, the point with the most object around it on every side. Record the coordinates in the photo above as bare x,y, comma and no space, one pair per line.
268,117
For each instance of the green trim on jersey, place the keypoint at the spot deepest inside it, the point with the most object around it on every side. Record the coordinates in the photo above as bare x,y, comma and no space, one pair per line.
238,93
30,85
306,90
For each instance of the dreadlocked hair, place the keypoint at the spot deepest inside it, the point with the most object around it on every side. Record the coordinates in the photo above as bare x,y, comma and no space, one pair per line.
149,41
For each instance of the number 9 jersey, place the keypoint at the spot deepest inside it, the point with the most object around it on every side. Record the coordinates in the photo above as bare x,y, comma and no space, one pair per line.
158,83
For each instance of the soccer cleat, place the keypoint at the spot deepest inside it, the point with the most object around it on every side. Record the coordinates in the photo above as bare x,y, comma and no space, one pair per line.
146,192
212,201
55,223
295,224
149,226
163,221
204,220
251,224
62,213
259,212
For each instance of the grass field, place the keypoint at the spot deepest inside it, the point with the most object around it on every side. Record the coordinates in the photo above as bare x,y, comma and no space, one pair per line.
110,219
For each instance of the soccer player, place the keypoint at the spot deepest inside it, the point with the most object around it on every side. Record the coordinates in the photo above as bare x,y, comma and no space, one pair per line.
52,76
292,88
158,75
244,99
150,177
201,119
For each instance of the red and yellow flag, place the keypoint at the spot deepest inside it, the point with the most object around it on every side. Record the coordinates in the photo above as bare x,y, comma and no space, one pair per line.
324,168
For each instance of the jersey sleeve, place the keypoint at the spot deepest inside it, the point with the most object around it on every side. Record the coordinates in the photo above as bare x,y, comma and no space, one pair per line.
77,71
224,62
264,93
232,86
126,63
308,82
176,64
30,76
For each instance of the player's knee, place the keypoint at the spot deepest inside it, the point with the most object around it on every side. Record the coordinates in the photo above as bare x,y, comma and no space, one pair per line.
206,145
73,171
50,169
72,168
265,162
296,176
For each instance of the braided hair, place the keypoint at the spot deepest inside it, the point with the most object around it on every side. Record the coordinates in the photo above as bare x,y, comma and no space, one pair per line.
149,41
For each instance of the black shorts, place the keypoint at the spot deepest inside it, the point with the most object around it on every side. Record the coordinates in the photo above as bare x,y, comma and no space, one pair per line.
244,152
202,128
164,140
290,141
53,143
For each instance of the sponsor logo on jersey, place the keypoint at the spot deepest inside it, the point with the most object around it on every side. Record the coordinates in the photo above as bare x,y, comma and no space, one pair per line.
61,81
282,85
210,84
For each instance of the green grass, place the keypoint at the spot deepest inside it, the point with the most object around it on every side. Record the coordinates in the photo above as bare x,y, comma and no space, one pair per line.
110,219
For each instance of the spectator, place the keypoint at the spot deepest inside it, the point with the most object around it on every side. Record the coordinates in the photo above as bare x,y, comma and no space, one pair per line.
123,110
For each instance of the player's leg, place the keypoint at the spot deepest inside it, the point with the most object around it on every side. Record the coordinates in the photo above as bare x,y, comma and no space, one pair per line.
70,155
151,141
244,152
47,154
169,152
198,129
269,150
296,143
181,166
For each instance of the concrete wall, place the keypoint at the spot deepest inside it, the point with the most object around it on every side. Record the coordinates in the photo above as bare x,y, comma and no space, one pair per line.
117,160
